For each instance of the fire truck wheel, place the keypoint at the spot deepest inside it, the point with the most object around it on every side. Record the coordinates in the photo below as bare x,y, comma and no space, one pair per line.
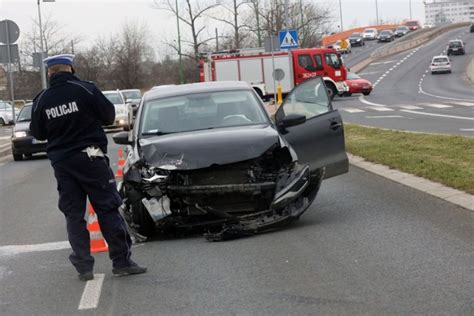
332,91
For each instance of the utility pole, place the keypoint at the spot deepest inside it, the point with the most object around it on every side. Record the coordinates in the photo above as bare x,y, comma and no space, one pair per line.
302,20
377,12
409,1
257,15
217,41
340,14
181,77
42,70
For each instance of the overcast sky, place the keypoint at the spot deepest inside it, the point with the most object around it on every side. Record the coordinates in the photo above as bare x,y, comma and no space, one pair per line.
90,19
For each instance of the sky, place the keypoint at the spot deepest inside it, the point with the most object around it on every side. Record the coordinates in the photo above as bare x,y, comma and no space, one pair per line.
90,19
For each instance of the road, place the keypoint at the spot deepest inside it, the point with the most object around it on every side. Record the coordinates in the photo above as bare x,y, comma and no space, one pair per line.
376,248
408,97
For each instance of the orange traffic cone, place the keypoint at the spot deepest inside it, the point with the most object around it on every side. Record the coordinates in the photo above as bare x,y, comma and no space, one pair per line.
98,243
120,163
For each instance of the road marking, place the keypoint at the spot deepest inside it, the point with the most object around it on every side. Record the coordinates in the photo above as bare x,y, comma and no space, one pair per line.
438,106
467,129
384,62
368,73
5,137
411,107
440,115
441,97
363,100
381,109
384,116
352,110
92,290
19,249
5,145
463,103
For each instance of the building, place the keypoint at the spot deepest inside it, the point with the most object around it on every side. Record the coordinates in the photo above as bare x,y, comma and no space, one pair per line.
448,11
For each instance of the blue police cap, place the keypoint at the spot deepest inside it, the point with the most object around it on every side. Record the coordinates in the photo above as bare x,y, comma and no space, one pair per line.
62,59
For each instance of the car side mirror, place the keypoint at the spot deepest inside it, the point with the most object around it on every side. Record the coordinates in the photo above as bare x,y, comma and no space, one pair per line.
121,138
292,120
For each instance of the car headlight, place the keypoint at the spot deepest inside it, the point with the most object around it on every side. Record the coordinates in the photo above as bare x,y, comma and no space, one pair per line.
19,134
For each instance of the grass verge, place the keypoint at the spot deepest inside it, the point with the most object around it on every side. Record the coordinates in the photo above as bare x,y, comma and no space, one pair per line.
447,159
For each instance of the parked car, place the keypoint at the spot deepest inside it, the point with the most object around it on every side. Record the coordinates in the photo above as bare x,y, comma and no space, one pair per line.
413,25
23,143
356,39
6,115
121,108
357,84
441,64
455,47
401,30
370,34
386,36
207,157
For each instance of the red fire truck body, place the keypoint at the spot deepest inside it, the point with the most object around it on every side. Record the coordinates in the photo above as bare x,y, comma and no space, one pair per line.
293,67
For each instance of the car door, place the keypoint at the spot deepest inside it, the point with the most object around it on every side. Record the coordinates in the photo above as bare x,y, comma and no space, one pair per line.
319,141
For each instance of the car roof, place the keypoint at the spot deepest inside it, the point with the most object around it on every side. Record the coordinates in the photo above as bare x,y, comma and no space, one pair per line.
440,56
370,29
200,87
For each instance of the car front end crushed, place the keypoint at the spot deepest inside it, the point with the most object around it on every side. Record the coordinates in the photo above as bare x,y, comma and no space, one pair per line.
222,201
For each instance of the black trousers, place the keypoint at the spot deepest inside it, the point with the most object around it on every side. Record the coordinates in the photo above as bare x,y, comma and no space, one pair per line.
79,177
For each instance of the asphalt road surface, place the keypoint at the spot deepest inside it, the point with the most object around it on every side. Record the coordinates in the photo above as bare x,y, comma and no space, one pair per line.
366,246
406,96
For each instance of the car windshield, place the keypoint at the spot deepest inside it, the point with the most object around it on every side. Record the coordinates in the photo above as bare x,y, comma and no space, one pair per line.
385,33
131,94
352,76
412,23
369,31
355,35
440,60
455,44
115,98
199,111
402,28
25,114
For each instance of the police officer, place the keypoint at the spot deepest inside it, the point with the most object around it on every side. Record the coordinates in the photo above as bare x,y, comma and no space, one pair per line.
70,115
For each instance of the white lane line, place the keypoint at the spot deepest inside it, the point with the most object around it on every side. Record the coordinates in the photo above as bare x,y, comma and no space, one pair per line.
5,145
92,290
384,116
368,73
5,137
440,115
411,107
467,129
441,97
438,106
381,109
18,249
463,103
353,110
384,62
363,100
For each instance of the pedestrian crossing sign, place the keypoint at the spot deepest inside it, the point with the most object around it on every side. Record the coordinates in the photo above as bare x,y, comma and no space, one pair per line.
288,39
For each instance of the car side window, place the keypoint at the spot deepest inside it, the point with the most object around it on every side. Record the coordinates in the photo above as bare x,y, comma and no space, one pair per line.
309,99
319,62
305,61
333,60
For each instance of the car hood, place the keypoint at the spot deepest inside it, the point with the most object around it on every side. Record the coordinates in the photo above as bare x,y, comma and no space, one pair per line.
202,149
21,126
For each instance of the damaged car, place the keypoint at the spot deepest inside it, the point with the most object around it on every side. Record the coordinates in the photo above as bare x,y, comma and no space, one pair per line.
208,158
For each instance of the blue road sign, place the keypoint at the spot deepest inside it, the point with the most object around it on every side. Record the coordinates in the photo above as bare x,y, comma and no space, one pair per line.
288,39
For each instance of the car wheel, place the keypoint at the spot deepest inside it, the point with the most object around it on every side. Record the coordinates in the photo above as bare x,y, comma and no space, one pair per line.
17,157
2,122
126,128
332,91
365,93
142,219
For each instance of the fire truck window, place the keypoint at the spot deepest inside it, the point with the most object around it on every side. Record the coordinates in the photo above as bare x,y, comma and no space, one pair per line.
332,60
319,62
309,99
305,61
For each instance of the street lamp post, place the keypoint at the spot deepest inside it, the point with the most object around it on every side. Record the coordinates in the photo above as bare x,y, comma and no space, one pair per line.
409,1
340,15
377,12
181,77
43,73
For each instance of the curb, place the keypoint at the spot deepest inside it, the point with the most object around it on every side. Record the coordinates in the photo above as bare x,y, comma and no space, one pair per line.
438,190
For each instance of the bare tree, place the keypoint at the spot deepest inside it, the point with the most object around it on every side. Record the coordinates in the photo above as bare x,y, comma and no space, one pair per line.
191,14
233,7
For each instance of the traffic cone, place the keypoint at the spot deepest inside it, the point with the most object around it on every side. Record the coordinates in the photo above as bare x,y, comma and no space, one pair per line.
120,163
98,243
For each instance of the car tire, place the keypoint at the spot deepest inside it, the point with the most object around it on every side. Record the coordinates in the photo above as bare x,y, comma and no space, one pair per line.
332,91
126,128
142,219
2,122
365,93
17,157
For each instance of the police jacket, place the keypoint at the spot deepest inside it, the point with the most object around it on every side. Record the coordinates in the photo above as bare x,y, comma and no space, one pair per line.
70,115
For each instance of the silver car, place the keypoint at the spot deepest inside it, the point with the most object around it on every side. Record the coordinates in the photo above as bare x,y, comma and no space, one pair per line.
121,108
440,63
6,116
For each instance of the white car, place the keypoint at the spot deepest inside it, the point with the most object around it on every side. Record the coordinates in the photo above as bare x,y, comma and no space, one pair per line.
121,108
6,116
440,63
370,34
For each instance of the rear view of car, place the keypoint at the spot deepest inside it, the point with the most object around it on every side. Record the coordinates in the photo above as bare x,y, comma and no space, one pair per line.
440,64
121,109
23,143
455,47
370,34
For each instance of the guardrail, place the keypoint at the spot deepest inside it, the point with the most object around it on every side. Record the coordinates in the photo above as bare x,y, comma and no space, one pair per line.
400,46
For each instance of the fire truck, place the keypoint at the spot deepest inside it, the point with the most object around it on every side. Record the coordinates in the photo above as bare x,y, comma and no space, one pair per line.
290,68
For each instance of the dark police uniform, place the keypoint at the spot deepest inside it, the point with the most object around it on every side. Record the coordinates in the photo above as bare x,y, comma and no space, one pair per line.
70,115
